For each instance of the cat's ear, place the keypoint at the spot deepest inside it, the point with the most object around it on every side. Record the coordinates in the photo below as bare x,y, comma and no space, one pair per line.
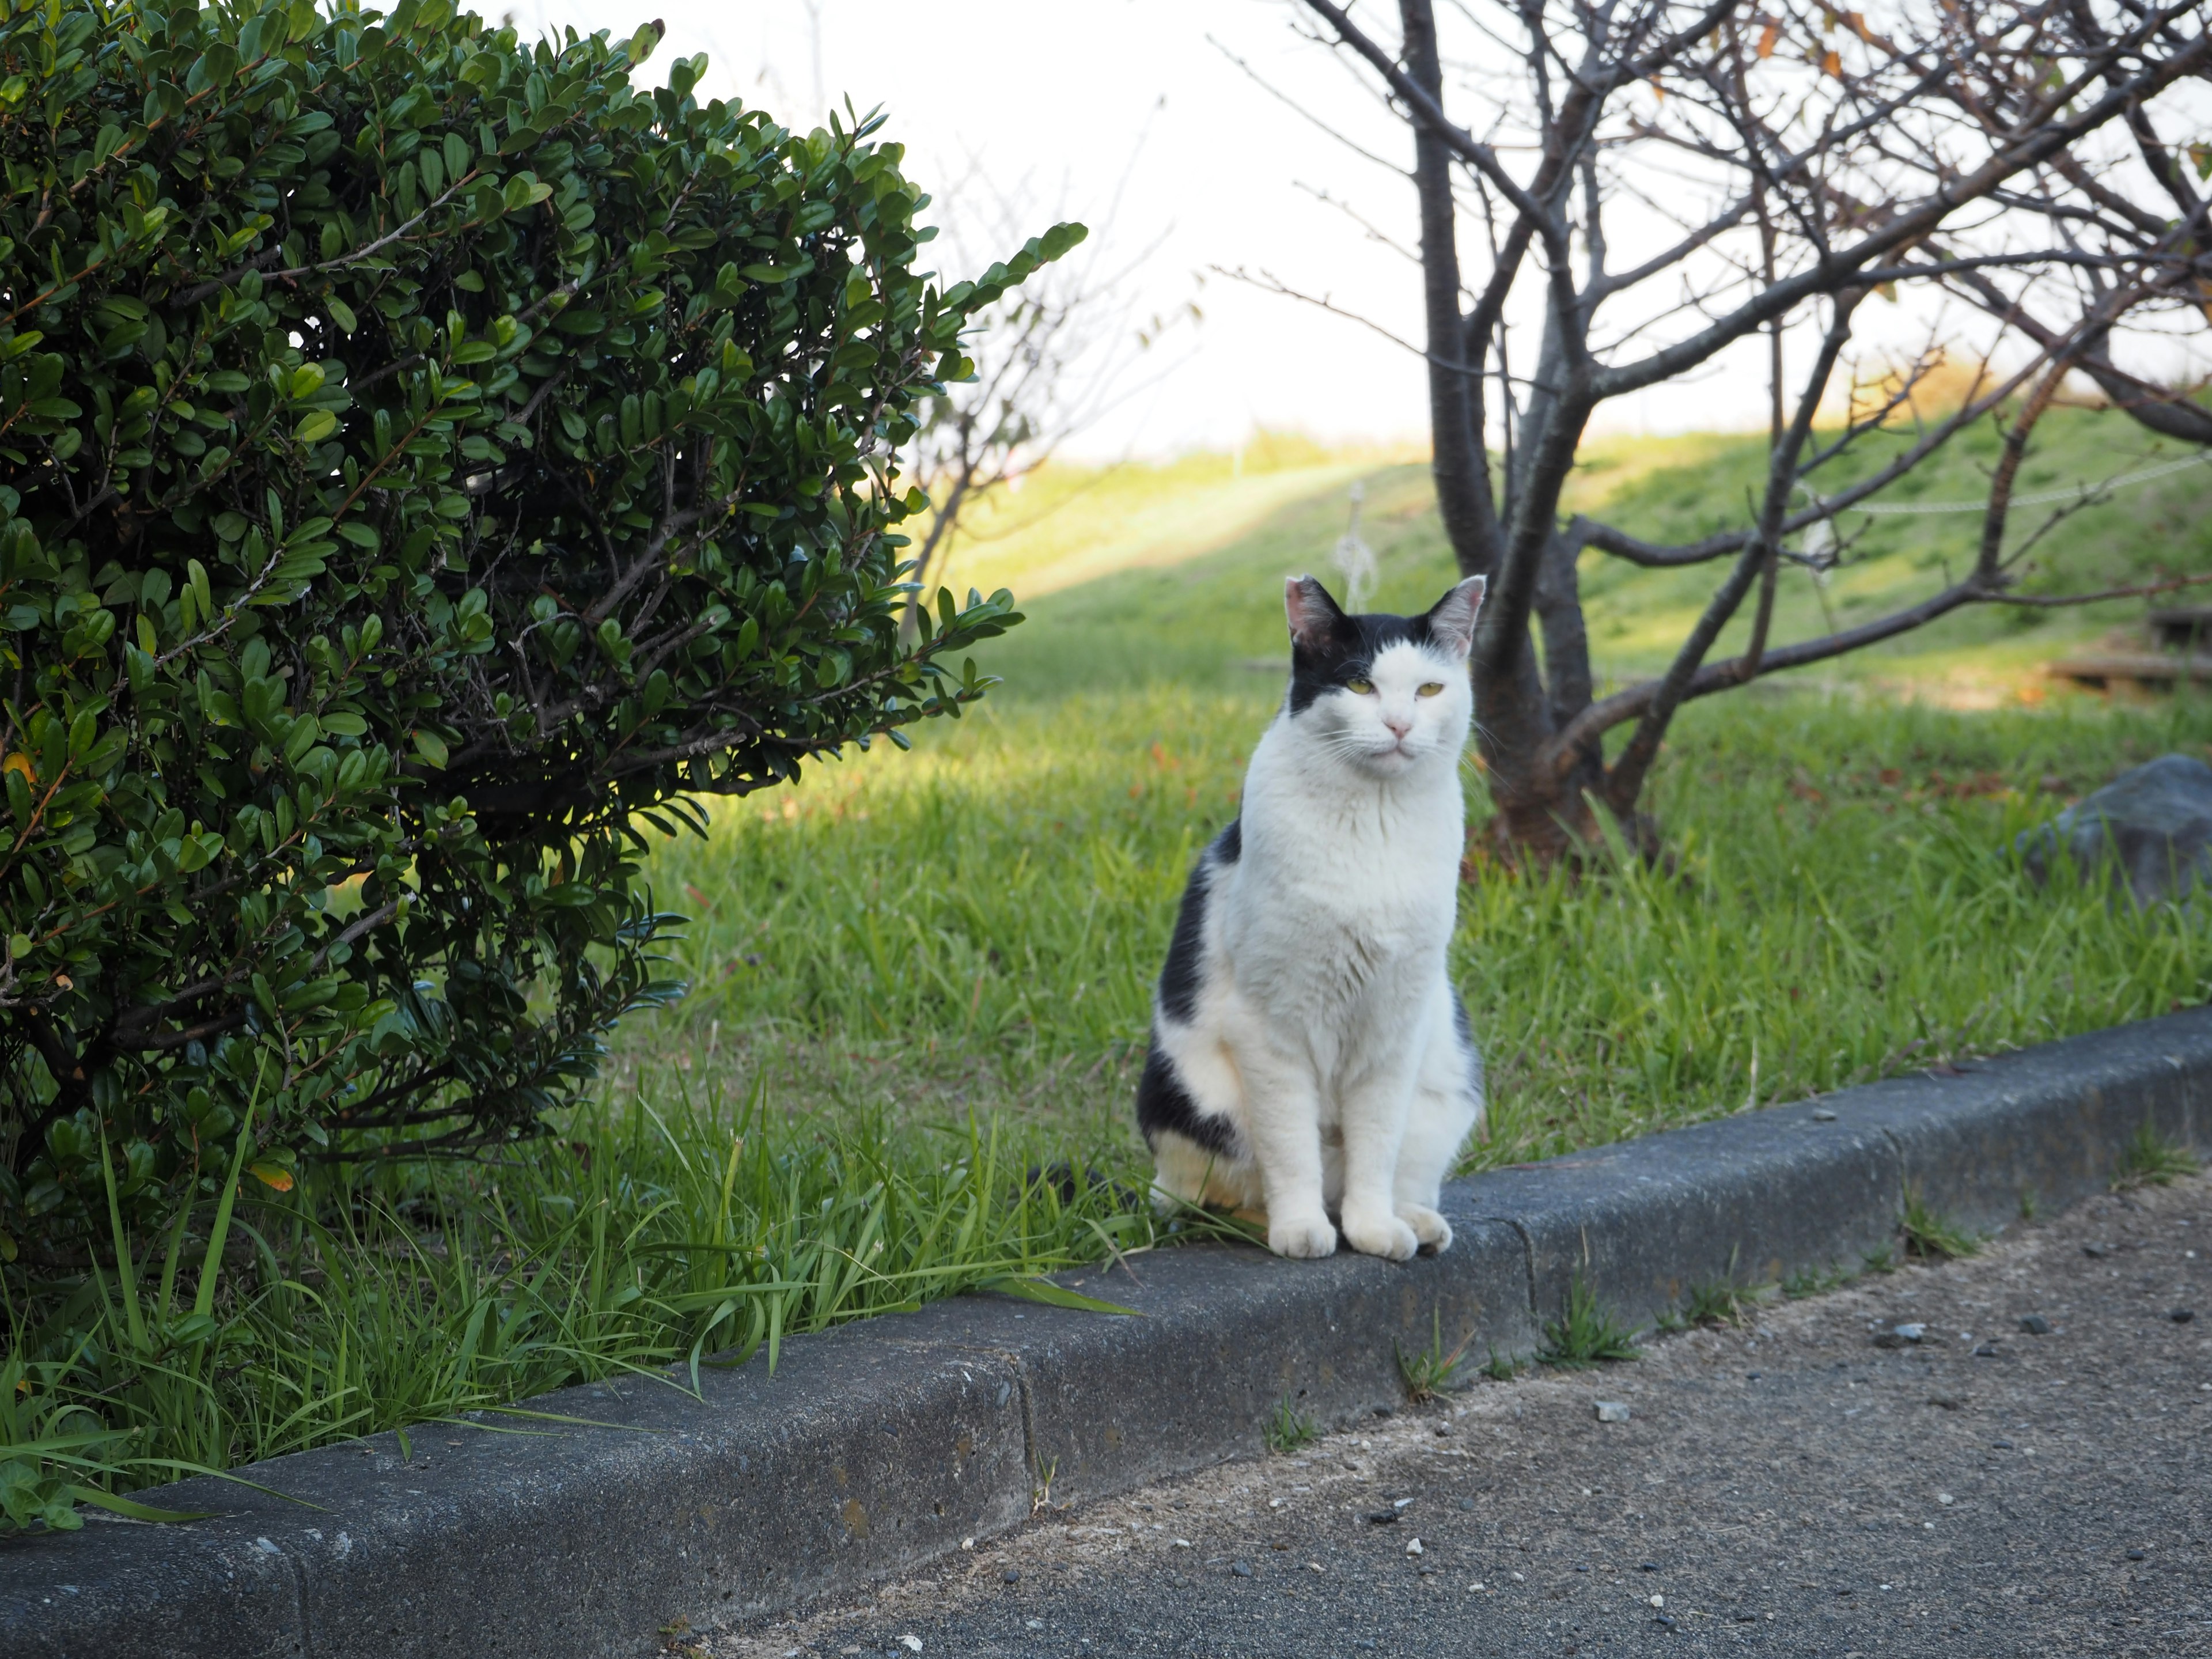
1452,620
1314,617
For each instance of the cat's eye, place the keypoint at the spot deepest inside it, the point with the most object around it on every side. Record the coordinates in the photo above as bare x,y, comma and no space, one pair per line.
1431,688
1362,687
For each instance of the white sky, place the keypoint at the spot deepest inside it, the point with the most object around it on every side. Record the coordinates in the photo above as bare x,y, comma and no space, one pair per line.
1072,99
1139,102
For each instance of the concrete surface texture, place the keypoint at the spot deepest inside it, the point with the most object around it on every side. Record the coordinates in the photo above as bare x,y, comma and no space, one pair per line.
2023,1470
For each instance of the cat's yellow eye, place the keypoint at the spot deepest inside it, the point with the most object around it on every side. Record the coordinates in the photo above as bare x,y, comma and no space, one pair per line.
1431,688
1362,687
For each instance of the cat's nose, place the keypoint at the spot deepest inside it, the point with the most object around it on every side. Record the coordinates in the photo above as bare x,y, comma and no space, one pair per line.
1399,725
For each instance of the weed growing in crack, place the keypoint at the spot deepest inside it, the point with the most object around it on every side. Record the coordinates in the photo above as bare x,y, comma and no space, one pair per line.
1931,1237
1809,1281
2150,1160
1430,1373
1587,1334
1285,1429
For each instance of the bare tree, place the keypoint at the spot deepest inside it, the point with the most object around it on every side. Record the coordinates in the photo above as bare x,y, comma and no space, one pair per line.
1775,169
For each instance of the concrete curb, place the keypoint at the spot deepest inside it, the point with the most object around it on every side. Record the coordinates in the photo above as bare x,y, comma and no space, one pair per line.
881,1446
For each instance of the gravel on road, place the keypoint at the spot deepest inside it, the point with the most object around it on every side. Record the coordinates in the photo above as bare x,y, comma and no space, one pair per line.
2001,1456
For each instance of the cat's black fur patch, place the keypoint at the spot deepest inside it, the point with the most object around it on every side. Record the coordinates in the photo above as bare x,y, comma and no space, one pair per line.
1179,979
1163,1103
1346,650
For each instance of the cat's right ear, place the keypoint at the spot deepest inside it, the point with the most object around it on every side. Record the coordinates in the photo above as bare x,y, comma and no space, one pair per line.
1313,615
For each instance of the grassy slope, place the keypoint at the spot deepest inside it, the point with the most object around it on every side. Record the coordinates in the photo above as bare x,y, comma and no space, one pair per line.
977,924
1637,616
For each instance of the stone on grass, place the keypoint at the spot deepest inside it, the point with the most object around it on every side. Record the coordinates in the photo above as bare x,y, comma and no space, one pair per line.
2152,825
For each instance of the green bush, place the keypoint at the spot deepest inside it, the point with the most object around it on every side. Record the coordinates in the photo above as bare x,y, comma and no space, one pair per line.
424,454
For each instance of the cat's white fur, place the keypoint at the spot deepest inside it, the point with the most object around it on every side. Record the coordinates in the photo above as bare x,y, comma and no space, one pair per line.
1324,1026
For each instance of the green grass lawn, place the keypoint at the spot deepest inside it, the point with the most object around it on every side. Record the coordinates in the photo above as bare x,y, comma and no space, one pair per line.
976,926
918,976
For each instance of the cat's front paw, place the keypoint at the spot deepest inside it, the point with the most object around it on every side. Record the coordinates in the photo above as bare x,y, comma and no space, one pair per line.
1304,1237
1381,1235
1432,1229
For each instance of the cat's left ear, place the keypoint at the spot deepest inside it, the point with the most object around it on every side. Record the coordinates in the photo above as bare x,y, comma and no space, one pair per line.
1452,620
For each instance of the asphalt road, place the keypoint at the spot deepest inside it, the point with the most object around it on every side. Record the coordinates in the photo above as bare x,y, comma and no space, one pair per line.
1785,1486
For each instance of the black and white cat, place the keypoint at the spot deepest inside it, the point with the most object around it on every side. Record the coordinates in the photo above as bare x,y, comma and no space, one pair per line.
1310,1055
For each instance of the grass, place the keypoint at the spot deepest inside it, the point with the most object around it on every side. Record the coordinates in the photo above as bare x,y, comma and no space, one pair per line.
916,978
1929,1237
1585,1334
1718,1302
979,924
642,1242
1810,1281
2150,1160
1286,1429
1431,1372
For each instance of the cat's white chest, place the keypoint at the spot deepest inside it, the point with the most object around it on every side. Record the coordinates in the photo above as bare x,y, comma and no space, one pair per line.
1340,903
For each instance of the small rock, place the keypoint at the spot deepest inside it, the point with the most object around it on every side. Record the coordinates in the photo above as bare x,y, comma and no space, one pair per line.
1011,1575
1582,1566
2035,1325
1945,1499
1382,1411
1180,1543
910,1642
2182,1315
1665,1621
1648,1566
1612,1411
1033,1624
1400,1504
1751,1376
2097,1250
2001,1445
1240,1569
1949,1402
1467,1504
2137,1555
2151,825
1413,1547
1383,1518
1987,1351
1658,1601
1822,1115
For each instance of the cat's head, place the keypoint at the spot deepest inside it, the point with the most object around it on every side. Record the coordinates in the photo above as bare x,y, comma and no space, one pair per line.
1381,694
